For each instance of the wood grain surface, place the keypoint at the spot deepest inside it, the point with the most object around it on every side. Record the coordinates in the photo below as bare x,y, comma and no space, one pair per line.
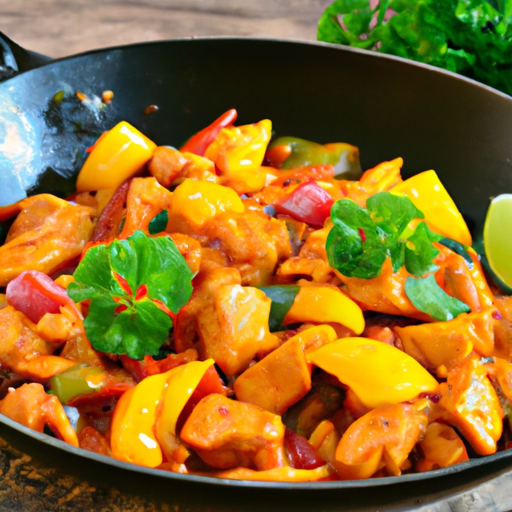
63,27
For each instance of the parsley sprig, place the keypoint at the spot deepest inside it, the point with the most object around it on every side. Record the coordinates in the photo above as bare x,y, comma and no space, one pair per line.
132,284
470,37
362,239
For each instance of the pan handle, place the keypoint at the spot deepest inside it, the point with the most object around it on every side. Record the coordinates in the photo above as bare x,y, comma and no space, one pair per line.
14,59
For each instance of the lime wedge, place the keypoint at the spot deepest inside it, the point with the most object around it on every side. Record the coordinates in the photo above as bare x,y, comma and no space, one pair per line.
498,240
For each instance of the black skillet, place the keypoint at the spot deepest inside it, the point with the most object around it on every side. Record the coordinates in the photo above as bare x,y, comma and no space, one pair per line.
386,106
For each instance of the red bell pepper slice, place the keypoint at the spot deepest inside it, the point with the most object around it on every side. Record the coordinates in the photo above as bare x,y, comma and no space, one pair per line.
309,203
35,294
151,366
198,143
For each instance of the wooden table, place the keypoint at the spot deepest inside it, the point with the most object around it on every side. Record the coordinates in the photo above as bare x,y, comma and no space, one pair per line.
59,28
32,478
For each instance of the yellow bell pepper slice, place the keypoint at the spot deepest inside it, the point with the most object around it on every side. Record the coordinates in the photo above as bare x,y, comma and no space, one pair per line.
199,201
428,194
283,474
377,373
118,155
238,152
132,437
181,383
321,304
140,426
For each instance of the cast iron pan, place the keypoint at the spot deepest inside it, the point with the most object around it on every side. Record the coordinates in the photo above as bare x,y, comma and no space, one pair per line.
386,106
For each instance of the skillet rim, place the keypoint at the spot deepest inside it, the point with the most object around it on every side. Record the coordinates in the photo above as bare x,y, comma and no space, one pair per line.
339,484
304,42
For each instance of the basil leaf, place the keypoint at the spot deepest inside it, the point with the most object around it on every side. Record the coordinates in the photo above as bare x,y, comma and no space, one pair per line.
392,214
345,247
117,322
419,251
282,298
362,239
428,297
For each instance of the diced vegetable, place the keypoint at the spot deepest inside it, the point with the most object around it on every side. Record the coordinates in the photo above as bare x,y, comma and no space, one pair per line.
199,142
428,194
309,203
378,373
118,155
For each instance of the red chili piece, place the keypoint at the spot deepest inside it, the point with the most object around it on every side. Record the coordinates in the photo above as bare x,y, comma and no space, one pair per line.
309,203
201,140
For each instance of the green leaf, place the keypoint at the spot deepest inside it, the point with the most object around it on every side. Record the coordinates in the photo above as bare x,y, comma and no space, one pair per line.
345,247
356,16
459,249
282,298
158,223
358,22
137,331
471,37
362,239
382,9
428,297
419,251
93,277
157,263
117,322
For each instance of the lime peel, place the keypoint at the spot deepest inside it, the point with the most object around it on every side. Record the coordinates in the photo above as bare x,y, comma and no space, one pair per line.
497,239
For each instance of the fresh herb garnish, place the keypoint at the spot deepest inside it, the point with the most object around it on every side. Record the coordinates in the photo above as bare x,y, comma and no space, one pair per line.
470,37
282,297
133,284
362,239
428,297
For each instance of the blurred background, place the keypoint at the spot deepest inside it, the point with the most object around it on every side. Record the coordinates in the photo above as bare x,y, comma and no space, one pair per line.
63,27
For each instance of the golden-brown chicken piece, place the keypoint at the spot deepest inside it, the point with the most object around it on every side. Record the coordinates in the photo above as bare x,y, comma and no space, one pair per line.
227,434
205,286
233,328
47,233
253,243
146,198
32,407
23,351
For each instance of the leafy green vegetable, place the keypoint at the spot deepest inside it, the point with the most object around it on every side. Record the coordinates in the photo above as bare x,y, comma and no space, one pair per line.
132,284
419,251
362,239
158,223
428,297
470,37
282,298
458,248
